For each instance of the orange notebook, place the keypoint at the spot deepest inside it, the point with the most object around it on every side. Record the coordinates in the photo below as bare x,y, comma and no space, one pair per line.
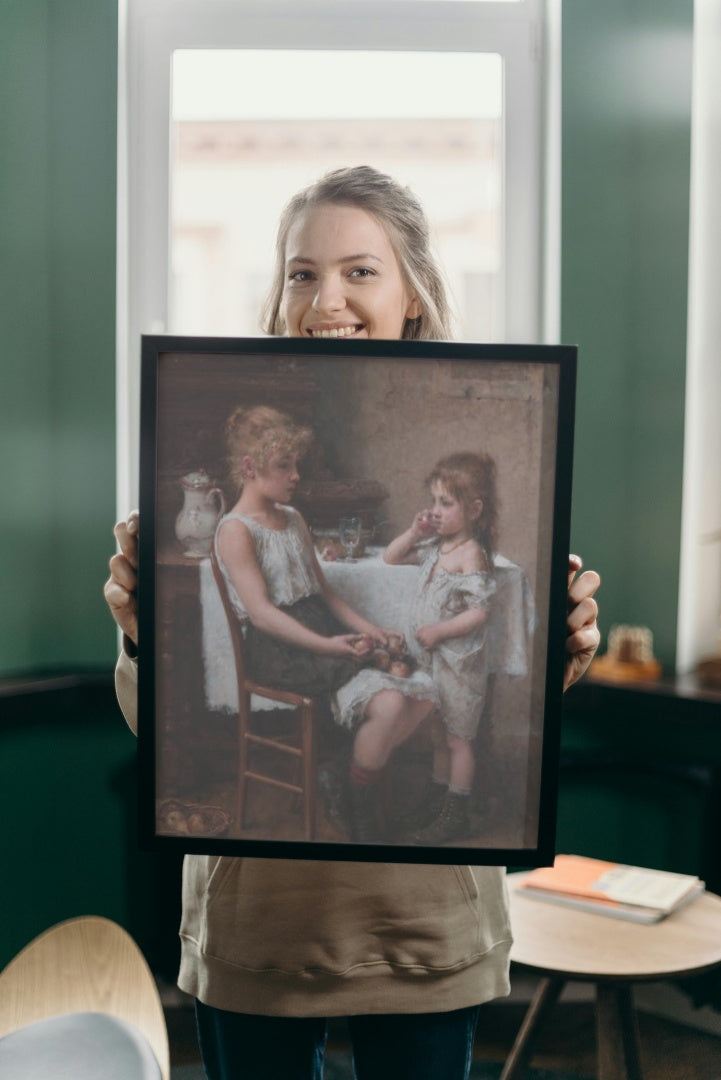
632,892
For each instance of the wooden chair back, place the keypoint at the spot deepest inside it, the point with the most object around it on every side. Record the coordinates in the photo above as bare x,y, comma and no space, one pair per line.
305,709
86,964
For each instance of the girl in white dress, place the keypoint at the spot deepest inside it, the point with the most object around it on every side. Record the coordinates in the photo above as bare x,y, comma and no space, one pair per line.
300,634
454,543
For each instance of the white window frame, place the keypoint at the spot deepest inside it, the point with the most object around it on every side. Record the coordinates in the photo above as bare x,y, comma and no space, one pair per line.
526,34
699,597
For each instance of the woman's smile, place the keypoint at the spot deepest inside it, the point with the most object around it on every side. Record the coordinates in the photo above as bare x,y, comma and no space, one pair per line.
335,331
342,277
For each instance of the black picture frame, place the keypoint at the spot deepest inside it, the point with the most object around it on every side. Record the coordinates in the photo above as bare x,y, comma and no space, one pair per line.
382,412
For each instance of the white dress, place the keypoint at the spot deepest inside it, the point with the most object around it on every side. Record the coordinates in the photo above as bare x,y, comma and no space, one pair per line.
457,666
288,567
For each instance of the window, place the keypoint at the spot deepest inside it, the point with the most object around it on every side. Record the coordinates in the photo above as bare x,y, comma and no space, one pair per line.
235,161
227,107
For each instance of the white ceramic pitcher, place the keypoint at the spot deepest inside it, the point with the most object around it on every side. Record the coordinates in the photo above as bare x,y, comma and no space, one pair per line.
203,506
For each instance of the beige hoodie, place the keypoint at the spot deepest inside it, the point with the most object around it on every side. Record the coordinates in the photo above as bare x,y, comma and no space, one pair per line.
286,937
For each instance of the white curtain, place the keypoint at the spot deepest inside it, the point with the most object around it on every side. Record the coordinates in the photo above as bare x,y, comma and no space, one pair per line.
700,583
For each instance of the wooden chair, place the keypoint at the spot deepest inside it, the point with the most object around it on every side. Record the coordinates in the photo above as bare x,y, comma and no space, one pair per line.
300,746
87,991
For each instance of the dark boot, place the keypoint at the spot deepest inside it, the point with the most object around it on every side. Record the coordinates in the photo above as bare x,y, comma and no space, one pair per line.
363,799
427,808
451,823
333,787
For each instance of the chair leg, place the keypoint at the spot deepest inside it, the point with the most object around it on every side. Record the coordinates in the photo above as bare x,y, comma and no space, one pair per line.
309,772
242,771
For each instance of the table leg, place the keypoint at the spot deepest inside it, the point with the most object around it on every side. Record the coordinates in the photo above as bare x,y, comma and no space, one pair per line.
545,997
617,1033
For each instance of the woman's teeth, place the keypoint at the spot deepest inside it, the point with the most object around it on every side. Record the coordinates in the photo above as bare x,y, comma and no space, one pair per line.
337,331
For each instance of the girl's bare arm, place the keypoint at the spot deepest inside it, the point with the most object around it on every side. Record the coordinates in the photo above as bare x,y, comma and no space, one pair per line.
404,549
237,551
433,634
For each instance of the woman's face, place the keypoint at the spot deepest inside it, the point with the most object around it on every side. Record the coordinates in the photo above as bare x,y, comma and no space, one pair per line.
342,277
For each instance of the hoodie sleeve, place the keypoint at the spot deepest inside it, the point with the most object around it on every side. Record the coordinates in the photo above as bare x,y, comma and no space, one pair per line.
126,688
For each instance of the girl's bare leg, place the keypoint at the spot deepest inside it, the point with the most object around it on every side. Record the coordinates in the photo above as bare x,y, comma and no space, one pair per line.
390,719
462,763
441,754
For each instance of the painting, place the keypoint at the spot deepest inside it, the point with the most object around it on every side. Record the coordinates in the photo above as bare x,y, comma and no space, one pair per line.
352,597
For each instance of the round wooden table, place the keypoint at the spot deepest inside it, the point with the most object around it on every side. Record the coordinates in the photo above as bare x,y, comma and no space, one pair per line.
563,944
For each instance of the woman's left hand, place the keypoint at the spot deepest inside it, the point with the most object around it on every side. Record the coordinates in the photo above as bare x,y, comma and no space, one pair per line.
582,633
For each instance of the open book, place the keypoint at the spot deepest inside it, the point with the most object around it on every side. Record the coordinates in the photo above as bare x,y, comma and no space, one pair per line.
608,888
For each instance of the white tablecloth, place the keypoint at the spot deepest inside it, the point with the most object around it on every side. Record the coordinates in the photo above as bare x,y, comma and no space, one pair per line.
381,593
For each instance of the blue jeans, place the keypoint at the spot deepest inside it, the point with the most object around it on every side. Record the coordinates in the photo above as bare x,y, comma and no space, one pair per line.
415,1046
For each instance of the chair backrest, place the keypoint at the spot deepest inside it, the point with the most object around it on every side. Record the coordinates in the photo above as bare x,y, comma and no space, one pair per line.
235,628
87,964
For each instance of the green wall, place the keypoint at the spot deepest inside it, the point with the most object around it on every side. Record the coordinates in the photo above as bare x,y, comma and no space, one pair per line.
58,73
67,761
625,200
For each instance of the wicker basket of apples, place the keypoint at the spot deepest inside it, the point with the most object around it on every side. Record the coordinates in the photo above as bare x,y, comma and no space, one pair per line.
176,818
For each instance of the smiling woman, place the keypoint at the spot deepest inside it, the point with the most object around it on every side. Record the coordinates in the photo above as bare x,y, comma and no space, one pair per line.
336,294
353,259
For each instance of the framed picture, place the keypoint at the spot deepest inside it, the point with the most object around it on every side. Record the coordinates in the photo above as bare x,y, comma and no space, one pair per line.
352,597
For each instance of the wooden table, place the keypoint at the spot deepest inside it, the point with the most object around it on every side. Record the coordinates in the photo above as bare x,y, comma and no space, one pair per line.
563,944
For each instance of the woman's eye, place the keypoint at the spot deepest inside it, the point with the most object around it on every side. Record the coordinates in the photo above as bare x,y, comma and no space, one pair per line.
362,272
300,276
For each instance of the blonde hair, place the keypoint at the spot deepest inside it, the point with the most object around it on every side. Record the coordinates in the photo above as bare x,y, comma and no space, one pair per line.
261,432
401,214
467,477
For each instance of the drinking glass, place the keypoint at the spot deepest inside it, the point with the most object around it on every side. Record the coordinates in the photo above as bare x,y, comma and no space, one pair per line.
349,534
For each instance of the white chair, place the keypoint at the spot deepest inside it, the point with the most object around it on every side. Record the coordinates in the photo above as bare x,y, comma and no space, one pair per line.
80,1002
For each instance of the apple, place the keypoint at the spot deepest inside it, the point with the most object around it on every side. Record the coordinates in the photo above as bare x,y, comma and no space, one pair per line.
363,644
395,645
382,659
175,822
196,823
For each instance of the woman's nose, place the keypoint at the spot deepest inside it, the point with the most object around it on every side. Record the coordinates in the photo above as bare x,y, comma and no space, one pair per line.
329,296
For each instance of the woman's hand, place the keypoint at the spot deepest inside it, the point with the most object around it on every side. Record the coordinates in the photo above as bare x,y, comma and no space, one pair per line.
583,636
347,646
393,640
120,589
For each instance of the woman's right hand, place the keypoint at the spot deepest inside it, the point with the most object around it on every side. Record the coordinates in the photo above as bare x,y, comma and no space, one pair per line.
347,646
120,589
